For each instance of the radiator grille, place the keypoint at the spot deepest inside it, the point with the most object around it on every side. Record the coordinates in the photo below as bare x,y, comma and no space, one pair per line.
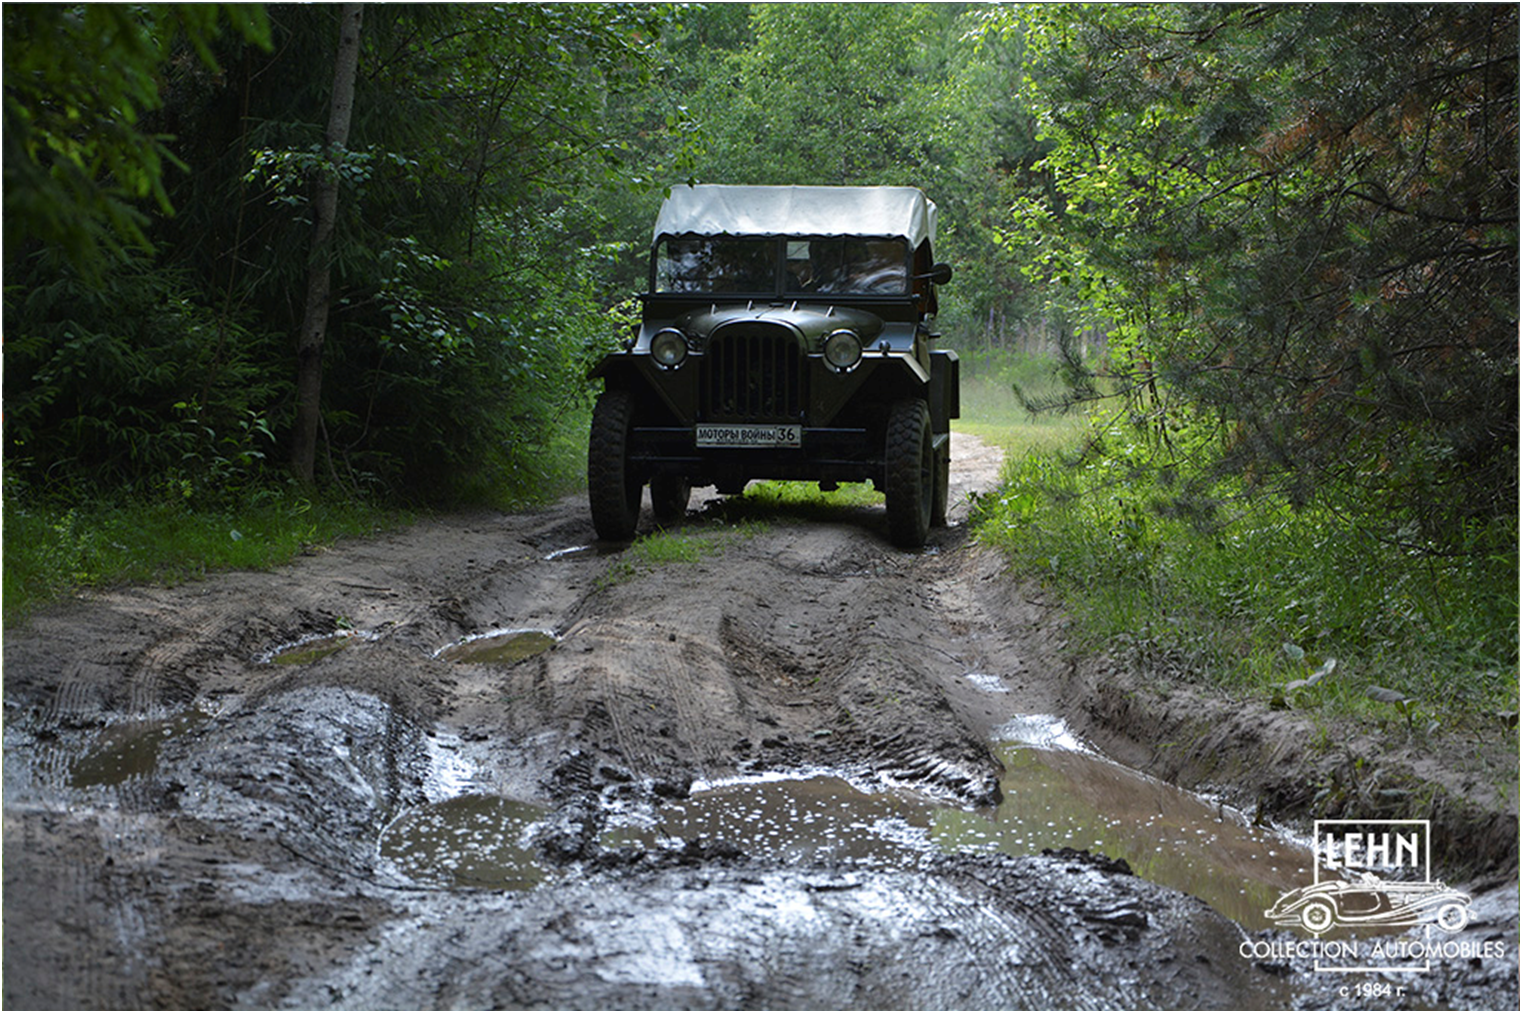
753,374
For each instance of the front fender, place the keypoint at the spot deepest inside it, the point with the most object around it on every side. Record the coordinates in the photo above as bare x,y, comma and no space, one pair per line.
651,383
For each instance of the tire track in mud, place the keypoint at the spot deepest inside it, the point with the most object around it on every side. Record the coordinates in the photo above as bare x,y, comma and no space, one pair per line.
162,675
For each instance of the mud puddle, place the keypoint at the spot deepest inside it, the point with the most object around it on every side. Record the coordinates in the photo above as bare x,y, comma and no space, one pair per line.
499,647
474,841
129,749
315,647
806,817
1057,793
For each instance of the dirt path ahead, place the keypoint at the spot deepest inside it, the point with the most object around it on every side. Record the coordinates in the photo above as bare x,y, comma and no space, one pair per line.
200,814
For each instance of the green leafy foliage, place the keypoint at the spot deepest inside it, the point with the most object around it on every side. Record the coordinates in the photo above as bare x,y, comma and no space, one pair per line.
80,83
130,383
1299,227
461,313
1296,227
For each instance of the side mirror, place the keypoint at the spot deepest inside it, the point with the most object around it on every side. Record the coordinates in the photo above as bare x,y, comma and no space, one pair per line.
940,274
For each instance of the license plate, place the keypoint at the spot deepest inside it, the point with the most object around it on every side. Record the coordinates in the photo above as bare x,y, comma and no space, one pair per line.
749,436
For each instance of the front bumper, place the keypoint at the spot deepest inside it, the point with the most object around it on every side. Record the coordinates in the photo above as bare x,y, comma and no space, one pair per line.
823,454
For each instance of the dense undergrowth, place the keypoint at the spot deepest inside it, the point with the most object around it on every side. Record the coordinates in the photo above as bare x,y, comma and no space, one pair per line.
1311,607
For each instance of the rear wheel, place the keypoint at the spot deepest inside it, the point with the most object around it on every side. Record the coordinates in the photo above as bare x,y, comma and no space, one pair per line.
612,487
1452,917
909,473
668,498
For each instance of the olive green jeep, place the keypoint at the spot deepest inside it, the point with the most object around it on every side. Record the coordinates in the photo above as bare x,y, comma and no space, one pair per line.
786,334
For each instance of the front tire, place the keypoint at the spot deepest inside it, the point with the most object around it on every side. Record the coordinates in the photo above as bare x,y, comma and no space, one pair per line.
612,487
909,473
1452,917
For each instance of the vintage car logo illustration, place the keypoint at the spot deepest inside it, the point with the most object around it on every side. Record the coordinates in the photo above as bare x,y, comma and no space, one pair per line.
1370,900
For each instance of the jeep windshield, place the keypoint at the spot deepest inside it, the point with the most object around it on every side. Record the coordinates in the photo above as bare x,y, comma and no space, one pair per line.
790,266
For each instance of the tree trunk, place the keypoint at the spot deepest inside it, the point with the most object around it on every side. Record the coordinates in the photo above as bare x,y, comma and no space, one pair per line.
314,322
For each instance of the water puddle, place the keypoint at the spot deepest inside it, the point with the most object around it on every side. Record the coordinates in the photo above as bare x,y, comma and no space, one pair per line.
1057,794
129,749
313,648
478,841
1057,797
987,683
574,550
791,819
499,647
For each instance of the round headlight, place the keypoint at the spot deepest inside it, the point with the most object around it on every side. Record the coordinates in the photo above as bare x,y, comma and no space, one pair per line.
842,349
669,347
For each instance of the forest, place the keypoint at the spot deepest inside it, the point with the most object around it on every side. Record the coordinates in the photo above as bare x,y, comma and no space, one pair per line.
286,266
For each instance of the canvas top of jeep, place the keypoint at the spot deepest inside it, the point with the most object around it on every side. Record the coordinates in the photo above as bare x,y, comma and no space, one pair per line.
793,243
786,334
715,210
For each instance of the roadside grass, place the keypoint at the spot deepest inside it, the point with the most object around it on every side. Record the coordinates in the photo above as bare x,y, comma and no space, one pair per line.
1300,609
55,547
52,550
660,548
993,412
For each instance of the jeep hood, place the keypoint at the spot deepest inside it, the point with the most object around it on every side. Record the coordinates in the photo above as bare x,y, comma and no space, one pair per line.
810,321
714,210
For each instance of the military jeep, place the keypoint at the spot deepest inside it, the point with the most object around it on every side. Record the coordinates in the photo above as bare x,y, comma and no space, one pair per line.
786,334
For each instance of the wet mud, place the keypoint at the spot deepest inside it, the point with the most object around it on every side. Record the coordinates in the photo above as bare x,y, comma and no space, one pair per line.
479,764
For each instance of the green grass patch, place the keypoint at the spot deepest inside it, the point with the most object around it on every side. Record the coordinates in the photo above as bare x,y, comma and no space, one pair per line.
662,548
52,550
806,499
765,502
1251,595
995,414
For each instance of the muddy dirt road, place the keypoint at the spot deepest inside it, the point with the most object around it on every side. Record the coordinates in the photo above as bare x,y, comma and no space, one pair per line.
484,762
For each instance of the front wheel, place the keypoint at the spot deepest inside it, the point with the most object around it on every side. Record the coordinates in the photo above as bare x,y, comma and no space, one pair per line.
1452,917
1317,917
909,472
612,487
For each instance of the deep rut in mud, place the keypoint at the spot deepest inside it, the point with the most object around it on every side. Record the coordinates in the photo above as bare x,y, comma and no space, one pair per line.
486,763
